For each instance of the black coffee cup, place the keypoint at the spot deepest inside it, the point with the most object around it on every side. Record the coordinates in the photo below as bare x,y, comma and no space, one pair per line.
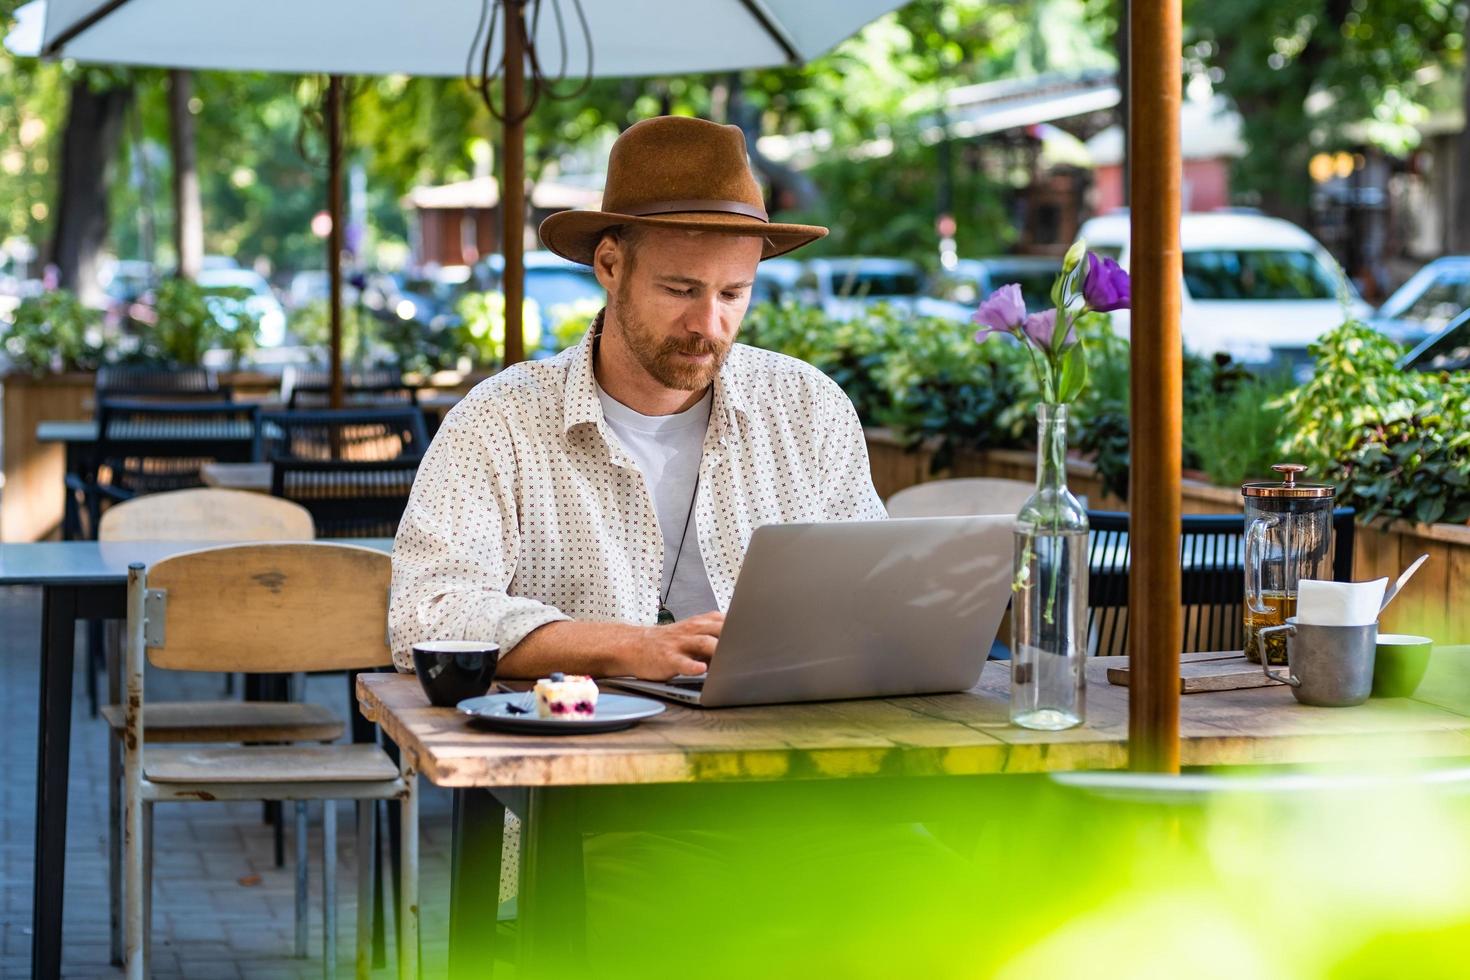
452,670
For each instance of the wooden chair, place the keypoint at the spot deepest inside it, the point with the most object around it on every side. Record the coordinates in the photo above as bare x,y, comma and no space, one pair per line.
206,514
201,515
264,608
369,435
347,498
1213,578
960,498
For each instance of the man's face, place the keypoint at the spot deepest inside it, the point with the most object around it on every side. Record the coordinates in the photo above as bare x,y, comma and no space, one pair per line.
678,299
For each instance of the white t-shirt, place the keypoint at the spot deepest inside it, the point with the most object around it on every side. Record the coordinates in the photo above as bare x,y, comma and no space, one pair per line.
668,450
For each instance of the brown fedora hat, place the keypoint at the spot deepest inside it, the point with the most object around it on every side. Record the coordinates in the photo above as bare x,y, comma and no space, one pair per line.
676,172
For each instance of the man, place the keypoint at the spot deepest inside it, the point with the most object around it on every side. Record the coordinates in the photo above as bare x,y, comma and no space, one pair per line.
590,513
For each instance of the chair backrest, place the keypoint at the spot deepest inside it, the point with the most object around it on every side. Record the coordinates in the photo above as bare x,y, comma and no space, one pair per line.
349,433
159,383
1212,583
312,388
149,447
206,514
960,497
266,608
348,499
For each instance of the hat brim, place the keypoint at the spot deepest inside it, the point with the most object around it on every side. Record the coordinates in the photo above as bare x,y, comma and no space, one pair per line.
574,234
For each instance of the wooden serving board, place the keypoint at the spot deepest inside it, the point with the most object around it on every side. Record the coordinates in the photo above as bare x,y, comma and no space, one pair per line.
1200,672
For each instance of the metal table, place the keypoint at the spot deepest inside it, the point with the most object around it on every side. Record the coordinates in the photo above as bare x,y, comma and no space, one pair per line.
79,580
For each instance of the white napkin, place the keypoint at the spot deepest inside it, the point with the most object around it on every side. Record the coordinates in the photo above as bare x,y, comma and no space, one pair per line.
1339,603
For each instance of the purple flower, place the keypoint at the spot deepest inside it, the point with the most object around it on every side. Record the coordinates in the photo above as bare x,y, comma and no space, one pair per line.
1003,311
1040,327
1105,287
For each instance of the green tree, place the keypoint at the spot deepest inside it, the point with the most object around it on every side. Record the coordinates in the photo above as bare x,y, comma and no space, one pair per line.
1299,71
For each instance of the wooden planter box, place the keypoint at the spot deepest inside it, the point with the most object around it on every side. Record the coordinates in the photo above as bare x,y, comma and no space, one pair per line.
33,490
1436,603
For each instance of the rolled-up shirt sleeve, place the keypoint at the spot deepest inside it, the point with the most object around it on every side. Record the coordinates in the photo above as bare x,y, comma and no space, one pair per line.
459,543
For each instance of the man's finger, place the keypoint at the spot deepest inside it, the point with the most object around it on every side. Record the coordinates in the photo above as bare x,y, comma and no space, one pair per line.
700,645
689,666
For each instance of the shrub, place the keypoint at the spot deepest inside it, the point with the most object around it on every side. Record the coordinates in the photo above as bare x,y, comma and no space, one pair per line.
189,320
1396,443
55,332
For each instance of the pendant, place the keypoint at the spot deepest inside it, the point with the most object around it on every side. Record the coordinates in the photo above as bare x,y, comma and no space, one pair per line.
664,616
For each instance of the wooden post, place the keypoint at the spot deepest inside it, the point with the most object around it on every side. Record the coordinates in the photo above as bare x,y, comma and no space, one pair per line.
1157,386
334,237
513,182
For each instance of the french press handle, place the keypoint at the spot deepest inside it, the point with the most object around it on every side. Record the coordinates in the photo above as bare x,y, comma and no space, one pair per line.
1255,544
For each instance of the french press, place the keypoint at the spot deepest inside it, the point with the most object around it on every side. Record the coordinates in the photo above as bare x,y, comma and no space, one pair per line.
1288,537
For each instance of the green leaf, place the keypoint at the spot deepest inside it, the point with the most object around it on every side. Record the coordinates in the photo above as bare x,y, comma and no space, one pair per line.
1073,373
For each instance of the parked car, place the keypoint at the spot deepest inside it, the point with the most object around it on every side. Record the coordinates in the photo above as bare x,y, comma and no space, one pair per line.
559,288
312,285
1259,289
844,287
1448,350
1425,305
954,294
260,302
775,281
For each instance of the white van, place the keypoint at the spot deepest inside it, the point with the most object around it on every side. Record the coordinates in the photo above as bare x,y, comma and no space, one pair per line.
1259,289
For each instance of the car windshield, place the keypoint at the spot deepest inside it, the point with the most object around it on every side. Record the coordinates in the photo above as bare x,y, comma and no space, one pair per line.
1035,284
1257,274
862,282
1446,298
553,287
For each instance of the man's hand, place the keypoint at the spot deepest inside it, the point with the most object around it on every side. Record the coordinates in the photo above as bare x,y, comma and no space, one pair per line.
654,653
685,647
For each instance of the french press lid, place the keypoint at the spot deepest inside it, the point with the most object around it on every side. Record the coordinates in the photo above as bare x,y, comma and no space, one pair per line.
1288,488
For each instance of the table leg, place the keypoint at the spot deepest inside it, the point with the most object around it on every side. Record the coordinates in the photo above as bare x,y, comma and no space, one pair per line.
53,759
474,883
552,902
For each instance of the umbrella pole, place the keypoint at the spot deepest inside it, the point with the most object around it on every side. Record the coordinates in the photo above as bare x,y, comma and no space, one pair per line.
1154,613
334,237
513,182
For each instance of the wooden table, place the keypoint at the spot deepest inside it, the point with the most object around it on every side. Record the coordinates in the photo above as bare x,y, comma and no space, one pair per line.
78,580
686,751
254,477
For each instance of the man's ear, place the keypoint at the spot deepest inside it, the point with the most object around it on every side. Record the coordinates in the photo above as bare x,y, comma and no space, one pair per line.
608,262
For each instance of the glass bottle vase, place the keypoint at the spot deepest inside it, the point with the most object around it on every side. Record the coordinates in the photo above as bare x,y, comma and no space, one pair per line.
1049,600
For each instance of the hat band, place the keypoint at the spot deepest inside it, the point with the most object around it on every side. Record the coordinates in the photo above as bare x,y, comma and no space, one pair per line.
670,207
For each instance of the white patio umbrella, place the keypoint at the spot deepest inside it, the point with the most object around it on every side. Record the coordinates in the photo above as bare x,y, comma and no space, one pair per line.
578,38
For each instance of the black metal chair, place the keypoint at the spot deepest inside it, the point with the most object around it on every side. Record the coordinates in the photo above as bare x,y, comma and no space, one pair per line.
148,447
347,434
116,382
348,498
1212,584
312,388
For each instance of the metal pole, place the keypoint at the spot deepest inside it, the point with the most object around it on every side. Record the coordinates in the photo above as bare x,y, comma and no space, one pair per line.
1154,612
513,182
334,237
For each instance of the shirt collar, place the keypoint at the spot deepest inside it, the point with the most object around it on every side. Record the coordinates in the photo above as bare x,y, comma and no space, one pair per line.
583,407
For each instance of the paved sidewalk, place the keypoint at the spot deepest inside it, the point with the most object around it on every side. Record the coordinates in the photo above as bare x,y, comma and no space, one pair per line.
221,908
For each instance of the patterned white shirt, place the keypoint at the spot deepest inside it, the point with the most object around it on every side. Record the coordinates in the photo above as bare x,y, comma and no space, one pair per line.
527,510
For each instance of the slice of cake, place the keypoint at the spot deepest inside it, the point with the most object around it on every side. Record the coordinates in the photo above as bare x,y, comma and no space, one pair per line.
563,696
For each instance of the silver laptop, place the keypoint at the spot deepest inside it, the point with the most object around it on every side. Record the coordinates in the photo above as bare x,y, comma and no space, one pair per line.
856,610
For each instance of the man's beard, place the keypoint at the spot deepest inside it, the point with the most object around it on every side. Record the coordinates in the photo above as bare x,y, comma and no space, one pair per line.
660,357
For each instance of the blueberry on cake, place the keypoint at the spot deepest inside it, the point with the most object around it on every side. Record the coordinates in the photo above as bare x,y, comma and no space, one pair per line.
563,696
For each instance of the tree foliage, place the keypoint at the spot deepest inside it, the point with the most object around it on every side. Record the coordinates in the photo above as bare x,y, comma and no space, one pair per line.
1301,71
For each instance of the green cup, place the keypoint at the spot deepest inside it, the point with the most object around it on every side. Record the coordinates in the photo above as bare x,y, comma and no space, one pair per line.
1399,664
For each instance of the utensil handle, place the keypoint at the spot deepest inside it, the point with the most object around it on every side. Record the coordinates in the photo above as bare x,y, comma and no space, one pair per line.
1255,539
1287,678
